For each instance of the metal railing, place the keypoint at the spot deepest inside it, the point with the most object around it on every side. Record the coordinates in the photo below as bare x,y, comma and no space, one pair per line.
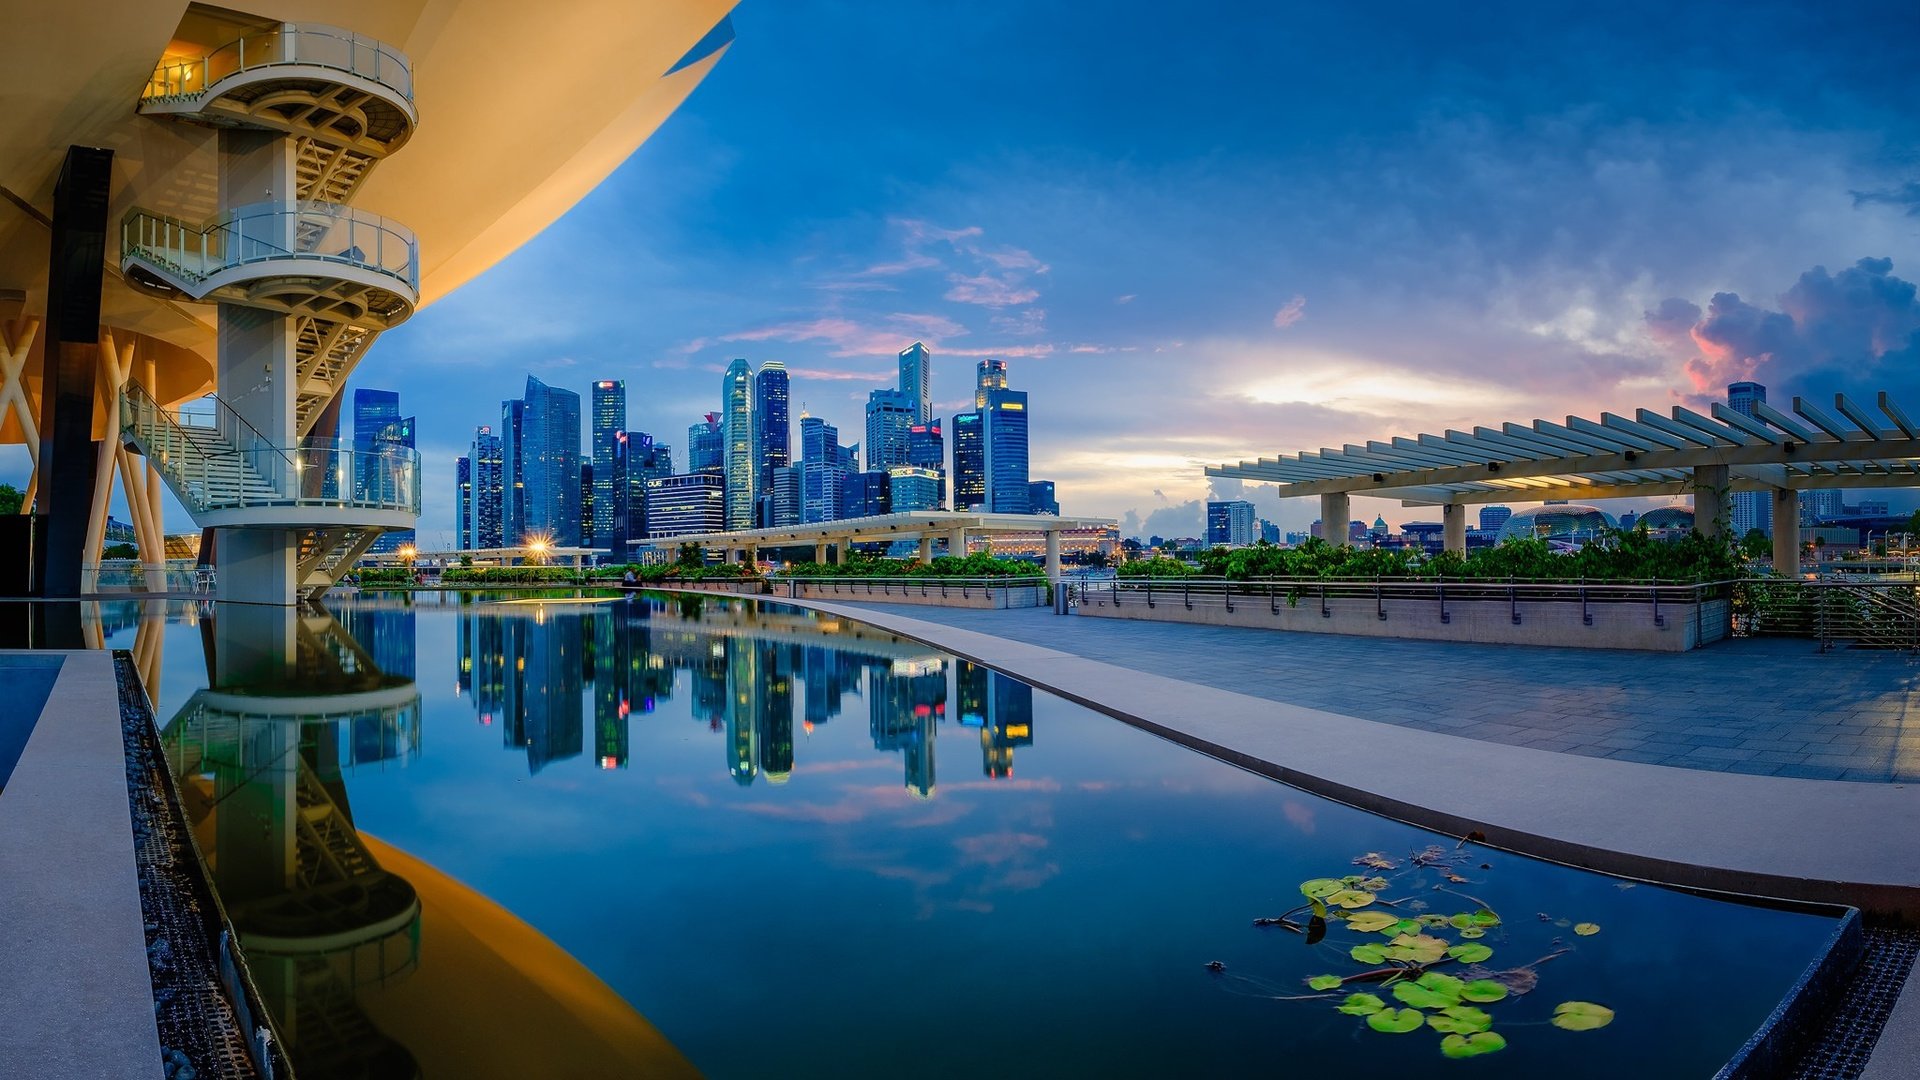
304,229
1834,611
305,44
1278,593
853,587
216,460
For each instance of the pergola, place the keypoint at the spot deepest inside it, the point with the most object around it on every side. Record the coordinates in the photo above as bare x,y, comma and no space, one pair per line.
923,525
1612,457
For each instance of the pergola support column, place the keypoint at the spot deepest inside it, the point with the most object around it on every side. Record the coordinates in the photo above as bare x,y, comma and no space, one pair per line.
1053,556
1786,532
1711,487
1336,509
957,543
1453,520
926,548
820,551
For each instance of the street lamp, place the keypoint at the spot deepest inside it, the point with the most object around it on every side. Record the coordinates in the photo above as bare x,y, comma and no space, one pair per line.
537,548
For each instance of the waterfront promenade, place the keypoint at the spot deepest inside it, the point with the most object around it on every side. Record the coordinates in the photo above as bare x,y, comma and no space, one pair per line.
1766,706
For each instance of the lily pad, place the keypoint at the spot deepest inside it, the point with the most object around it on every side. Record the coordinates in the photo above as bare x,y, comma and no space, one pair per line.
1396,1021
1460,921
1466,1046
1441,982
1482,990
1472,932
1369,954
1349,898
1586,929
1373,884
1361,1005
1460,1019
1471,953
1325,982
1433,920
1404,926
1418,948
1483,917
1422,998
1320,888
1581,1016
1368,922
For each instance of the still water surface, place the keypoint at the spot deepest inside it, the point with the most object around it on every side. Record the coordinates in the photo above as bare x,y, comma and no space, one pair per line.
470,835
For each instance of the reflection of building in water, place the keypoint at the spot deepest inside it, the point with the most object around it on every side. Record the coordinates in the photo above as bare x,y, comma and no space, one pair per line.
262,775
904,704
1009,723
483,664
828,673
773,712
742,667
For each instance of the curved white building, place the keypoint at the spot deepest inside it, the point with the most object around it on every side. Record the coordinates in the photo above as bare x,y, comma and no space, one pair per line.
279,186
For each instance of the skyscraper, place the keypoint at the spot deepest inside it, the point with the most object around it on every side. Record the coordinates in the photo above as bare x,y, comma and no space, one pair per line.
783,497
483,529
463,502
1041,498
1493,517
910,487
513,473
1003,439
969,462
1750,510
609,417
588,538
739,438
1230,522
821,471
889,429
706,446
916,380
378,432
550,462
773,431
927,449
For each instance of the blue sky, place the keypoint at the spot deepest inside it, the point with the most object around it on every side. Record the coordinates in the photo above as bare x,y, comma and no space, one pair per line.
1216,231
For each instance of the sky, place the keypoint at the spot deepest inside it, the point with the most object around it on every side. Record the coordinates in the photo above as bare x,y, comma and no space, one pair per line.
1218,231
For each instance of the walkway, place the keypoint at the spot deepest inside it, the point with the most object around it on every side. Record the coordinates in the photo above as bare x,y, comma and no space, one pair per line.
1766,706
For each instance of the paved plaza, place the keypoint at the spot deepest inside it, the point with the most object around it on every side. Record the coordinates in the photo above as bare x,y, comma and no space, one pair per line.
1769,706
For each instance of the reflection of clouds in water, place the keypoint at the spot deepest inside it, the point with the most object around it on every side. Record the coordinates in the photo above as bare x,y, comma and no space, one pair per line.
967,873
1300,816
857,803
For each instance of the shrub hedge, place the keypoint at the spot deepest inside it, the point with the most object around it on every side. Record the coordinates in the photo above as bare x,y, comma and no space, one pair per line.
1618,555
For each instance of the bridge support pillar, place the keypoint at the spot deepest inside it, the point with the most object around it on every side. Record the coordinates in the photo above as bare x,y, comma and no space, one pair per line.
1711,502
1453,520
1053,556
957,543
926,548
1786,532
820,551
1336,509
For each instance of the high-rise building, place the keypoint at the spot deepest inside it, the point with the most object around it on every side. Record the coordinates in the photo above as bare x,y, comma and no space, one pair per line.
916,381
783,497
889,428
773,431
588,538
1493,517
1230,522
927,449
706,446
969,462
686,503
910,487
379,431
1003,438
646,460
550,462
1041,498
463,502
821,470
864,494
609,418
513,473
623,509
484,529
739,437
1751,510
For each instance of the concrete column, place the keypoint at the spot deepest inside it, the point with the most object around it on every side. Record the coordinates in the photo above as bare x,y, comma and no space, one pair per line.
840,545
1053,555
1710,498
1336,509
820,551
1786,532
957,543
733,555
926,548
1453,518
753,556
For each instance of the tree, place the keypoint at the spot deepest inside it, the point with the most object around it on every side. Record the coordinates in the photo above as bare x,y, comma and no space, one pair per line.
1755,544
11,498
692,555
120,551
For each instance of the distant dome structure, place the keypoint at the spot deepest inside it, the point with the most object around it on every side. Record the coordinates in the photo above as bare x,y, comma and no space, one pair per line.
1557,521
1666,517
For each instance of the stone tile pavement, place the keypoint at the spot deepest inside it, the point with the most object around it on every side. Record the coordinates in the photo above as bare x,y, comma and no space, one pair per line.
1769,706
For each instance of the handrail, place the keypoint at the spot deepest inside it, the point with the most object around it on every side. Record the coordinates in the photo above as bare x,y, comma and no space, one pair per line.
305,229
998,581
305,44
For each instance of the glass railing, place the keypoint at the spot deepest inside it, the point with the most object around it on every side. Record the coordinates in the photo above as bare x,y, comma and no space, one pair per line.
265,232
215,460
306,44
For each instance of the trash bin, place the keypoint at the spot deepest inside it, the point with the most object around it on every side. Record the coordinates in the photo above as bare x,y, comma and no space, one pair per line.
1060,593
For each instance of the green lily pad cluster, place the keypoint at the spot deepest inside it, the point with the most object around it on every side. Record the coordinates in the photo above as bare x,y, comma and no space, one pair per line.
1403,951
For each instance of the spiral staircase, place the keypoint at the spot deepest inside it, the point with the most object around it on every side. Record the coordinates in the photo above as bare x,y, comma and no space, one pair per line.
340,275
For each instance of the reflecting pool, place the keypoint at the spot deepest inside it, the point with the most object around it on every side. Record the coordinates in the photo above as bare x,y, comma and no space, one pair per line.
473,835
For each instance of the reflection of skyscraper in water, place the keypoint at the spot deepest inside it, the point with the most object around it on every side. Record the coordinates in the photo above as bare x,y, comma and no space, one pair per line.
385,631
773,713
611,704
742,688
904,703
483,663
1009,723
549,684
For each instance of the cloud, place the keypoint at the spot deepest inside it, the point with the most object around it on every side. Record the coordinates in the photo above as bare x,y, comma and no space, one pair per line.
1859,329
849,336
1292,312
1127,298
1026,321
1907,195
989,291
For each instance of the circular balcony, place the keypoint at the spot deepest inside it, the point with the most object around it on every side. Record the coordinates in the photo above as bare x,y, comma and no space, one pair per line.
323,259
302,78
